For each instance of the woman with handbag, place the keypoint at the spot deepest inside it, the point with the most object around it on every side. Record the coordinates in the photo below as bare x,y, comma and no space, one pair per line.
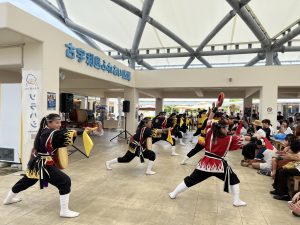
44,165
139,146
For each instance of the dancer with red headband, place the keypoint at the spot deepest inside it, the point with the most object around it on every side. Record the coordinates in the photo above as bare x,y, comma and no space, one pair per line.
217,144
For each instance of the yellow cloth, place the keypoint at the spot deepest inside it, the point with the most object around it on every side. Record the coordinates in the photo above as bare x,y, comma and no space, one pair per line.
201,121
63,157
201,140
290,165
169,138
181,122
87,143
187,121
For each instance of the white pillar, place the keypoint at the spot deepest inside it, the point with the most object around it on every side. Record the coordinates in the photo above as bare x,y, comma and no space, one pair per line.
119,116
39,76
158,106
268,103
132,95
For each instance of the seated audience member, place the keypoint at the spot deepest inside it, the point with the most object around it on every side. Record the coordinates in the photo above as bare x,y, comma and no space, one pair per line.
263,160
291,169
266,123
249,149
279,162
284,128
294,205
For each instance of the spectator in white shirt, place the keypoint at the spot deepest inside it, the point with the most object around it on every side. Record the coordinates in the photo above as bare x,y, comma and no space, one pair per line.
284,128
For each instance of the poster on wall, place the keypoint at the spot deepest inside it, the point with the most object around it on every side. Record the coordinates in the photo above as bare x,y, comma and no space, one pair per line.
31,92
51,101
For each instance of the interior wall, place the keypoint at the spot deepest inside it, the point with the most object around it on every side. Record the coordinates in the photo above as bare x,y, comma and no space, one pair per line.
10,76
10,56
54,45
219,77
10,118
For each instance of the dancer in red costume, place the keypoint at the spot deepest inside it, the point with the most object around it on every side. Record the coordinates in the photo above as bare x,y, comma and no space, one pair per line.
217,144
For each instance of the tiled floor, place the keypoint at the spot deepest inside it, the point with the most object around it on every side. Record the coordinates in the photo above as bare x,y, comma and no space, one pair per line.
126,196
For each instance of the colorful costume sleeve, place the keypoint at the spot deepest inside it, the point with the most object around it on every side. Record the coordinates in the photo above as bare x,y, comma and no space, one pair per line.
239,128
236,143
62,138
154,133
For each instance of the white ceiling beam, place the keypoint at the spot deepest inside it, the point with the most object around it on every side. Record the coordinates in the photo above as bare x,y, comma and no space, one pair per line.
251,91
198,92
151,93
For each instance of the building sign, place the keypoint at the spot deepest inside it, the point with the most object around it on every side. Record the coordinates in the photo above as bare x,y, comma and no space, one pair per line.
95,61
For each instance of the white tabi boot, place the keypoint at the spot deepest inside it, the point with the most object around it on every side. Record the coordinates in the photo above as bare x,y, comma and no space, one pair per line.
235,189
183,162
180,188
110,162
181,142
149,168
173,153
11,198
64,207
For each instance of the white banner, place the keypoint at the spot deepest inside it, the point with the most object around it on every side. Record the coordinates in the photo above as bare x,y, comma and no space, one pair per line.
31,99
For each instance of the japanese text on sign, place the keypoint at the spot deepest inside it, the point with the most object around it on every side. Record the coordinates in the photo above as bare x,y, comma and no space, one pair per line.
95,61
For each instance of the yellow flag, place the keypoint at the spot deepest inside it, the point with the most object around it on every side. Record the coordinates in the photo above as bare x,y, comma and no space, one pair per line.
169,138
87,143
181,122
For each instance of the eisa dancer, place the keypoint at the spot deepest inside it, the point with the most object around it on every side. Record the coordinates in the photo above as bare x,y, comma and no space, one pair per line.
43,165
140,146
201,139
173,122
160,122
217,144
